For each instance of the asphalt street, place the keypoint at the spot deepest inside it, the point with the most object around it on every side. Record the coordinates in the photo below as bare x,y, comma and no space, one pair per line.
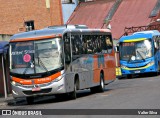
137,93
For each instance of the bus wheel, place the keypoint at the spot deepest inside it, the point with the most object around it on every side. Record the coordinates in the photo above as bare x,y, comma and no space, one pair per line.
101,87
30,100
73,94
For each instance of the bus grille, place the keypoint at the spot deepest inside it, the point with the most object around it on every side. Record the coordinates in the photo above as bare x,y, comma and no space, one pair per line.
138,66
37,92
40,85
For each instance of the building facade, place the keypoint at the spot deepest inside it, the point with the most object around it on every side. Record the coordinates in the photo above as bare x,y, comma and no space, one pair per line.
22,15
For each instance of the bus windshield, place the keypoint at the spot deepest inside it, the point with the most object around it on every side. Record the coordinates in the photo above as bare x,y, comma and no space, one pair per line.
34,57
136,50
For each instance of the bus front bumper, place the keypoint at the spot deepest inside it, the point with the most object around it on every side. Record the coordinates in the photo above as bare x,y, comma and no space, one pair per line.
126,71
39,89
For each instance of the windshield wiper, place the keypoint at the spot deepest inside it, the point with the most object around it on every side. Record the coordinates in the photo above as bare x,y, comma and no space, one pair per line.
141,55
26,70
129,58
43,65
27,67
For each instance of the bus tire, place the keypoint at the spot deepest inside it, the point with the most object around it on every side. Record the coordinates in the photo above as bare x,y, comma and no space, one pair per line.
30,99
73,95
101,87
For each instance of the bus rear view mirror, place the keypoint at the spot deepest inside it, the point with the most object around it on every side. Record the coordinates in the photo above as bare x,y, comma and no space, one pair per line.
155,45
117,48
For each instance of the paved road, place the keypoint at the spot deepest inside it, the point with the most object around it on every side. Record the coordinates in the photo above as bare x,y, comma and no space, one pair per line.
137,93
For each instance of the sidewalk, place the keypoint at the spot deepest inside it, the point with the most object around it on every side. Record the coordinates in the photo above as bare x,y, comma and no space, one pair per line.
4,100
9,100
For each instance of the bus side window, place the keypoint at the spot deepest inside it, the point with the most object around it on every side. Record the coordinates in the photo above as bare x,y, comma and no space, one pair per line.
99,44
84,44
106,43
89,45
67,50
95,43
92,44
76,44
109,44
103,44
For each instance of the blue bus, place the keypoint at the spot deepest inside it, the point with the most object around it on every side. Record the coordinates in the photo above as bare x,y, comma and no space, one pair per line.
140,53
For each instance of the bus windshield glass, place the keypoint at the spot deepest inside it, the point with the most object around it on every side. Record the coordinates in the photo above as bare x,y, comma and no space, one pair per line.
139,50
34,57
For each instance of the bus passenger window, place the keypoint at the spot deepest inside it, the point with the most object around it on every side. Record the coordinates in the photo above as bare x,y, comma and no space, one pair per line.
84,45
98,44
89,45
76,45
109,44
94,44
106,44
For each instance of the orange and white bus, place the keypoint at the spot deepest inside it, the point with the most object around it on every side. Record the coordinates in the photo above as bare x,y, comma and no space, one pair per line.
61,59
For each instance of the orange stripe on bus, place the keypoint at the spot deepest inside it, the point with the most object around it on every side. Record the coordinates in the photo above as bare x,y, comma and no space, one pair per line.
36,81
22,81
96,69
35,38
47,79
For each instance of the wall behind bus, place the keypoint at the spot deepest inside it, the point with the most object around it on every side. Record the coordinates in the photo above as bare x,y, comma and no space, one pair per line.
5,37
15,12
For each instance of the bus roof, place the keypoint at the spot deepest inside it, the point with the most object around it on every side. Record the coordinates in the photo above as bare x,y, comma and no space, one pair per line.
54,30
138,35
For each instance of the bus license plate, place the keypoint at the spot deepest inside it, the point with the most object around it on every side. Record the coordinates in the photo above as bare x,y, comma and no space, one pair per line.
137,71
36,89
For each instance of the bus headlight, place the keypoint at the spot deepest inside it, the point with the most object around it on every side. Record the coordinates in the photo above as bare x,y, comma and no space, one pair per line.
150,63
57,79
15,83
